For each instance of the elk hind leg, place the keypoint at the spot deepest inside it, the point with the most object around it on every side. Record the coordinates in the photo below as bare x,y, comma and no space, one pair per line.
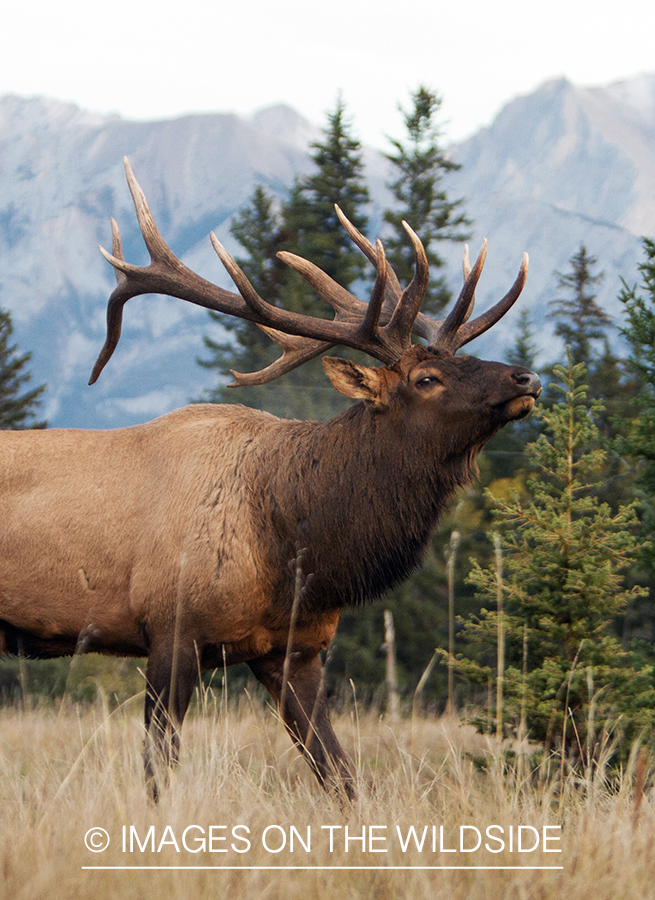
304,709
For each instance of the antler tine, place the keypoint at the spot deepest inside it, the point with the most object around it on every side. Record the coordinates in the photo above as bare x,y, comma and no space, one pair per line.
114,310
393,290
355,235
351,307
347,306
484,322
116,248
372,317
409,305
258,305
157,246
447,335
158,249
466,271
466,262
296,351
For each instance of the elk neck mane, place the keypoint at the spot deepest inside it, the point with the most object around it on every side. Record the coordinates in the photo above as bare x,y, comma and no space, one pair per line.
362,496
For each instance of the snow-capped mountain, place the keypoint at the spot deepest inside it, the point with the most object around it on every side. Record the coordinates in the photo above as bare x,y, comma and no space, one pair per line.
61,180
560,167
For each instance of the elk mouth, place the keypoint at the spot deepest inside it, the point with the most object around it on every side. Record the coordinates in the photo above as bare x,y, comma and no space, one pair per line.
518,408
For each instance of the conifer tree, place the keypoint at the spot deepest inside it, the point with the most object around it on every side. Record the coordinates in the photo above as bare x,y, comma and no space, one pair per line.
564,558
580,320
639,431
17,410
310,219
584,325
419,165
306,224
524,352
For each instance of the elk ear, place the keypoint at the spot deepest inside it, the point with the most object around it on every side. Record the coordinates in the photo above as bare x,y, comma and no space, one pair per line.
358,382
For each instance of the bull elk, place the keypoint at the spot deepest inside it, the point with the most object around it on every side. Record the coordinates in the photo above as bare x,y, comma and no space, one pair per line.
173,539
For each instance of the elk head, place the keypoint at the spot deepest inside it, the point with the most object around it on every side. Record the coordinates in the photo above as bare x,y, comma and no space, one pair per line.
382,328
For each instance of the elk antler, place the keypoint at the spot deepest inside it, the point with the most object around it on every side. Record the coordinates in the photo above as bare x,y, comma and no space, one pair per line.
382,327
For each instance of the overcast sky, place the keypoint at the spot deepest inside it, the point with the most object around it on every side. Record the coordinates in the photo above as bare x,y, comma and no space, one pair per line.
146,59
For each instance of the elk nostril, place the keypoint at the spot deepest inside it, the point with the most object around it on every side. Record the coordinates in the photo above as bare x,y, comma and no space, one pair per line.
528,380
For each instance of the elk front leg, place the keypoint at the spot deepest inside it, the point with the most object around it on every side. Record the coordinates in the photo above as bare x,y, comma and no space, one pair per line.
170,678
304,709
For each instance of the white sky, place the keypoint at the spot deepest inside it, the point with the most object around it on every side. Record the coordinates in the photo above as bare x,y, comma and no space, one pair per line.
158,58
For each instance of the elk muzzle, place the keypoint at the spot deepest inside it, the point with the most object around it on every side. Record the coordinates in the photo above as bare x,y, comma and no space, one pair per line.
528,388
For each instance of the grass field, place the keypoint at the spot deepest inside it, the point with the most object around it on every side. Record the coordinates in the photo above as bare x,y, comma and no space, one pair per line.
243,790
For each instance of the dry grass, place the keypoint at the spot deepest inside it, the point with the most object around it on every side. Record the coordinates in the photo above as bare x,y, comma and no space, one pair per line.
63,772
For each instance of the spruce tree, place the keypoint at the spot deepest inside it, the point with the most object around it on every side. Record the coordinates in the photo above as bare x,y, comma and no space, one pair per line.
311,224
584,326
524,352
580,320
638,438
306,224
419,166
564,558
18,408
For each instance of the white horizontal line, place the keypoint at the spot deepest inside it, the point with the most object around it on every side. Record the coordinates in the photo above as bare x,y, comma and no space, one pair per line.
324,868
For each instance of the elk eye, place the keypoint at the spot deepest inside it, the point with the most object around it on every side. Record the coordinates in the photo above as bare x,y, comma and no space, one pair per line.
428,381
